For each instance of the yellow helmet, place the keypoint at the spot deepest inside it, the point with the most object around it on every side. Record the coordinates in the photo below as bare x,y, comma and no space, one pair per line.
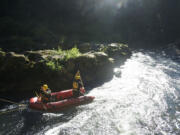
77,77
45,87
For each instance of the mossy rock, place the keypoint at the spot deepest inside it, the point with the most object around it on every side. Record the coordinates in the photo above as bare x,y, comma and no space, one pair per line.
34,56
117,51
95,67
84,47
16,62
2,57
2,54
28,71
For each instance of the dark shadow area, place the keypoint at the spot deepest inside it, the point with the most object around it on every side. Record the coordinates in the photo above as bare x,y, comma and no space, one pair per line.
35,121
15,97
43,24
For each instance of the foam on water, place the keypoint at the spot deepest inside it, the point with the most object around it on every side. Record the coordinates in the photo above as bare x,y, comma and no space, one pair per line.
144,100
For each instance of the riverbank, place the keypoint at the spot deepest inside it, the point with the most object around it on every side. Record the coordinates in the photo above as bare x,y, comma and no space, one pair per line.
130,104
25,72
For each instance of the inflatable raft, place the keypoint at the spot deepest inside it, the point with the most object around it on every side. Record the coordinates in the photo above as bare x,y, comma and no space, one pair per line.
60,101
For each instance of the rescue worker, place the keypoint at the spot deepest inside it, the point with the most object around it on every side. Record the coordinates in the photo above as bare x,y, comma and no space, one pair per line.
77,85
45,93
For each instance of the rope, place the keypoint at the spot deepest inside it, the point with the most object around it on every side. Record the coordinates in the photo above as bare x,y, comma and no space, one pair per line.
81,82
12,110
81,79
9,101
8,111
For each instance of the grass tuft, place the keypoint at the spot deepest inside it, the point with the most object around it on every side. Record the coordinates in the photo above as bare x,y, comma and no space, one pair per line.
66,54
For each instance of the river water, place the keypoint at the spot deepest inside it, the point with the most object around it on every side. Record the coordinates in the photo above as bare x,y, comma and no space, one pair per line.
145,100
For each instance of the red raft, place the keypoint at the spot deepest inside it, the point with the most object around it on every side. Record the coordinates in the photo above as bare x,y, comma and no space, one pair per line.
60,101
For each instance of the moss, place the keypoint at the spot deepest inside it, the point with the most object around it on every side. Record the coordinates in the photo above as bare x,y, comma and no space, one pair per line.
67,54
115,48
2,54
54,65
124,54
72,53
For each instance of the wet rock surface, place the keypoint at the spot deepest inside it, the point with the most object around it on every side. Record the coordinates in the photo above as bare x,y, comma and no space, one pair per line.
26,72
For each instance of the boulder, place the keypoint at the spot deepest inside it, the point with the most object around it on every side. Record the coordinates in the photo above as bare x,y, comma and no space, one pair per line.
2,54
84,47
97,47
13,69
41,55
27,72
119,52
16,62
2,57
117,72
95,67
34,56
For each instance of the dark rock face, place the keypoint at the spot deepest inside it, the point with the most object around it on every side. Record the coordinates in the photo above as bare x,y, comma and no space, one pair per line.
119,52
117,72
14,70
27,72
84,47
95,67
21,74
34,56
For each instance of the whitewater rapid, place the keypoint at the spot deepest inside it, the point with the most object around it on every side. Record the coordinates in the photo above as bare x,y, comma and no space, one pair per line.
145,100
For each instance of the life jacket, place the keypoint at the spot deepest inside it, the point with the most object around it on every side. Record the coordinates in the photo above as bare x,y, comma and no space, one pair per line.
44,95
75,85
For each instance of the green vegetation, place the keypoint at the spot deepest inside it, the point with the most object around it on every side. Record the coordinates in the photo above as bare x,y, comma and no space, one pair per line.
57,64
113,48
123,53
54,65
67,54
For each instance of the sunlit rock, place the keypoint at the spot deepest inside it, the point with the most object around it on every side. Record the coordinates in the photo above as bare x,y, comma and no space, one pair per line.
34,56
119,52
24,73
95,66
28,71
2,56
84,47
117,72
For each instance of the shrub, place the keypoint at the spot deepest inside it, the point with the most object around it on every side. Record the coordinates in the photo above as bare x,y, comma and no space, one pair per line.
54,65
57,65
67,54
72,53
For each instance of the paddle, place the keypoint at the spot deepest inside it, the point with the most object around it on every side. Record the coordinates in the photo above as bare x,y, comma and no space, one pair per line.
9,101
81,82
45,108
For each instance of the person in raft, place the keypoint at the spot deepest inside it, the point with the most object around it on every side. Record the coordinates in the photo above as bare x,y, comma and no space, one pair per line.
78,88
45,93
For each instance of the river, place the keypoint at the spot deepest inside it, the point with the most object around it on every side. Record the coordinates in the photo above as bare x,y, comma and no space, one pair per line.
145,100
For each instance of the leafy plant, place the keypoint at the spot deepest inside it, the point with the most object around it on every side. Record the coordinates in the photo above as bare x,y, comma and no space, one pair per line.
72,53
67,54
54,65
